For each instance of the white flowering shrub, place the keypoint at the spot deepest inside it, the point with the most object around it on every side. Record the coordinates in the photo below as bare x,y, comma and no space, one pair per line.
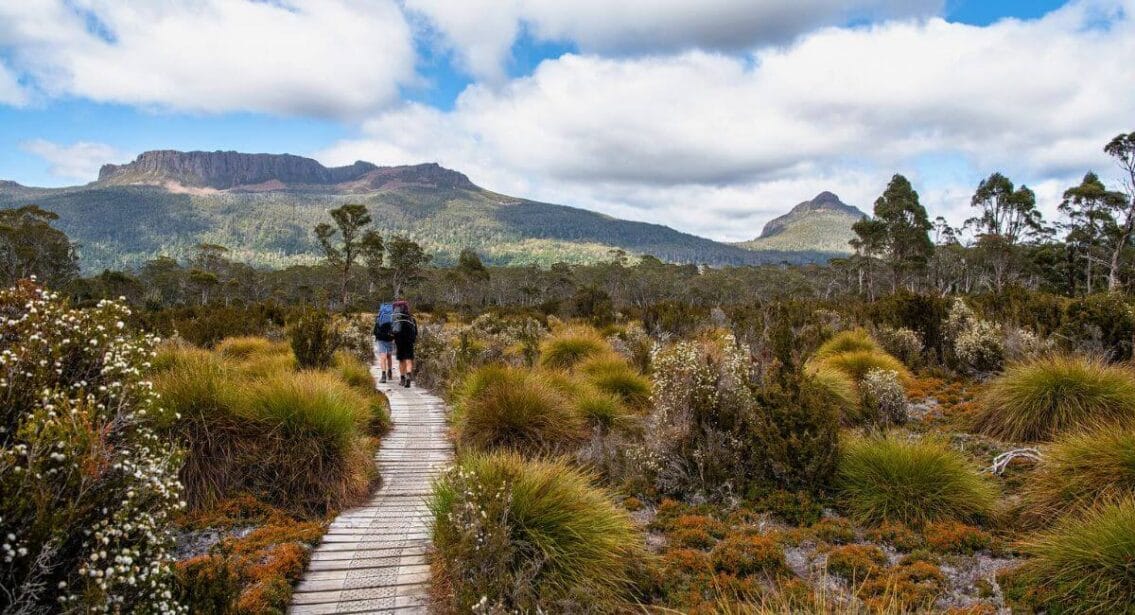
904,344
977,344
88,488
883,397
696,440
446,351
1022,345
980,349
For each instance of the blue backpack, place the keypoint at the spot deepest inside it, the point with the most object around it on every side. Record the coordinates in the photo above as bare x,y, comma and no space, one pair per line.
383,321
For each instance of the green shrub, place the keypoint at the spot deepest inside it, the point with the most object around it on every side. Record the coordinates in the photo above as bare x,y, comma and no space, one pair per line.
1082,470
1103,323
514,409
923,314
1037,399
856,340
613,375
313,339
87,482
797,433
572,345
1083,564
517,535
883,479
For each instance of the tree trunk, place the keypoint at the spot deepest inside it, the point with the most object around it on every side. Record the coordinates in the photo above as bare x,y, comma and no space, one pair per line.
1113,284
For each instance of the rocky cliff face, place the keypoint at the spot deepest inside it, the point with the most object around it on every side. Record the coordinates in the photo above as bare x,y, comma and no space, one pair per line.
234,170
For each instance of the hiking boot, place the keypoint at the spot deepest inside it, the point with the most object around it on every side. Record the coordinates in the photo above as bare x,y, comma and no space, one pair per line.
409,380
383,378
402,379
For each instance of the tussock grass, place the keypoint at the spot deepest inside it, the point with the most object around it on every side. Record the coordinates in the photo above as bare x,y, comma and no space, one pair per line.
612,374
205,391
514,409
600,410
888,480
842,391
531,535
1084,564
571,345
1082,470
1035,400
856,340
247,347
856,363
313,455
310,404
353,371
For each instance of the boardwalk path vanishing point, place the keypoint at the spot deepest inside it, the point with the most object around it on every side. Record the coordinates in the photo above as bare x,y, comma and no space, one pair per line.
373,558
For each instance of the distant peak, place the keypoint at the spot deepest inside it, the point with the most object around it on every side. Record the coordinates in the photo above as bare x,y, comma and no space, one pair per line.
824,201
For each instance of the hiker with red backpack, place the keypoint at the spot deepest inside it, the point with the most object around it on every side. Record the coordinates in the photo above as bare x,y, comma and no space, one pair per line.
384,340
405,331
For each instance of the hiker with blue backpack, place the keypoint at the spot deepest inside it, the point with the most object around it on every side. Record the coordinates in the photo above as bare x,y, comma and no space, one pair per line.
395,331
384,340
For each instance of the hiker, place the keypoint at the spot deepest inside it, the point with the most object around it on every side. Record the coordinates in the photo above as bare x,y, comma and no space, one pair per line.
384,340
405,330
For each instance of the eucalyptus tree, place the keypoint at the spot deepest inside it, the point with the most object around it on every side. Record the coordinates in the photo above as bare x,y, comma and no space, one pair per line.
1008,218
1122,148
1090,210
350,221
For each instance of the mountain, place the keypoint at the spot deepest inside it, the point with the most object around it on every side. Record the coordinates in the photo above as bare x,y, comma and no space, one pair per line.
263,207
822,224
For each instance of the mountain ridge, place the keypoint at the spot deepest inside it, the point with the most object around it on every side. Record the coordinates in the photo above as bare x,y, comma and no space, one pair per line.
263,207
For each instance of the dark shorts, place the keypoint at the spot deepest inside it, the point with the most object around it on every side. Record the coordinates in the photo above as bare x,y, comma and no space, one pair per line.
404,351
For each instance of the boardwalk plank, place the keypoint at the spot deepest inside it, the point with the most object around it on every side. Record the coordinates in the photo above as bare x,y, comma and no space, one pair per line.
373,558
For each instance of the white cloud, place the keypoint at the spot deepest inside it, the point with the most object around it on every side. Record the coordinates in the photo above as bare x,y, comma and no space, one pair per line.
11,92
699,139
482,31
330,58
78,161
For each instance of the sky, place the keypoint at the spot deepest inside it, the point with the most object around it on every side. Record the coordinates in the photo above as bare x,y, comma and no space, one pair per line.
709,116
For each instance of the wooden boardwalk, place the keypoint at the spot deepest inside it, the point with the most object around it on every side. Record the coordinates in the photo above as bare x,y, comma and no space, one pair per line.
373,558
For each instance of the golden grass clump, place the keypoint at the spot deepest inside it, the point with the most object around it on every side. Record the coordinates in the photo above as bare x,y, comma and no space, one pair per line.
571,345
1082,470
247,347
841,389
501,407
856,340
889,480
856,363
519,535
612,374
1038,399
